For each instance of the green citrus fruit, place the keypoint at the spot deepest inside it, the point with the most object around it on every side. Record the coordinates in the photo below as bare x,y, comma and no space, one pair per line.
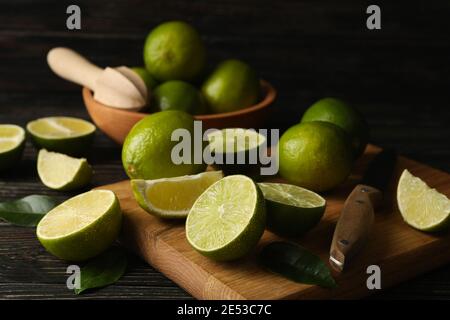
147,150
149,81
12,143
422,207
341,114
178,95
172,197
81,227
60,172
315,155
228,219
174,51
291,210
234,145
67,135
233,85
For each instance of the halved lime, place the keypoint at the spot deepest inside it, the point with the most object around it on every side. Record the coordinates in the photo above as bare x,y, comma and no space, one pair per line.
228,219
12,142
81,227
291,210
422,207
60,172
236,150
67,135
172,197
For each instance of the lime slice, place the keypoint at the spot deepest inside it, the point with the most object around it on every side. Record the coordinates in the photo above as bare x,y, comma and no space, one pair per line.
236,149
81,227
60,172
172,197
12,142
228,219
67,135
421,207
291,210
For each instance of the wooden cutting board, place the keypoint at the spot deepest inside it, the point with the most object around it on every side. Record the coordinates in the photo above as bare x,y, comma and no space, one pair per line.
400,251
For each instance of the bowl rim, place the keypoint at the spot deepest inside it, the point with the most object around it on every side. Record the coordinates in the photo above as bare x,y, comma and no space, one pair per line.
267,88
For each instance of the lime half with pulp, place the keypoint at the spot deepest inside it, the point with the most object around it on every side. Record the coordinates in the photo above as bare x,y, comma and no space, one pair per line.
172,197
67,135
236,150
12,142
81,227
291,210
60,172
228,219
422,207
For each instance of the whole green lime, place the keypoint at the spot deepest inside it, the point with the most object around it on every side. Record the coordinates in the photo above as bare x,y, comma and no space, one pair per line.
233,85
149,81
315,155
178,95
174,51
343,115
147,150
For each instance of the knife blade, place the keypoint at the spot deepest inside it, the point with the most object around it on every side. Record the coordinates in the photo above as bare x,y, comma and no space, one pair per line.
357,215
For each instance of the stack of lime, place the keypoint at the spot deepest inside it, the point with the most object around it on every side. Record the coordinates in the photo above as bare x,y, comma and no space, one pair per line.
175,61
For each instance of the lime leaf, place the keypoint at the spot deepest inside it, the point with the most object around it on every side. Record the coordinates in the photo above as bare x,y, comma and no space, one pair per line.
103,270
28,211
296,263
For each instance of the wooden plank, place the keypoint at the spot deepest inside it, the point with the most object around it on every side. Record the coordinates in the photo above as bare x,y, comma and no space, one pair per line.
400,251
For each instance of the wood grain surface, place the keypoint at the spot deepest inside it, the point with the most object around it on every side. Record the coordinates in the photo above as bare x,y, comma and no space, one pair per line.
397,76
398,250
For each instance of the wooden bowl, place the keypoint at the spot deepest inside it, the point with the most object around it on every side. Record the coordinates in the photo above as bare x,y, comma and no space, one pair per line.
116,123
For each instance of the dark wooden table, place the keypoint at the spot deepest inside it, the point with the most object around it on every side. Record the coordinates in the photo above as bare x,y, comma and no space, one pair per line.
397,76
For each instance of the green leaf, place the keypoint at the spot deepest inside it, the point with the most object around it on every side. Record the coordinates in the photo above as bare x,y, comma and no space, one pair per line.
28,211
296,263
103,270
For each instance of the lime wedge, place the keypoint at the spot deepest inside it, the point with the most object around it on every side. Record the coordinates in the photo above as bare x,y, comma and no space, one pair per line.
12,143
67,135
60,172
421,207
228,219
237,148
291,210
172,197
81,227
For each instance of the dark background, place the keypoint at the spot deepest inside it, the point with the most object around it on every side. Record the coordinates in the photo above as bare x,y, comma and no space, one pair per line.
397,76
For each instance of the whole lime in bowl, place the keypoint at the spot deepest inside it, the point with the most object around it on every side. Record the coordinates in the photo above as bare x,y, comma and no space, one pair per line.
149,81
178,95
344,116
147,150
315,155
232,86
174,51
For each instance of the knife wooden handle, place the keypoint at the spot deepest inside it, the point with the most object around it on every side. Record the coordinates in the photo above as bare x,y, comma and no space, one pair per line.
354,224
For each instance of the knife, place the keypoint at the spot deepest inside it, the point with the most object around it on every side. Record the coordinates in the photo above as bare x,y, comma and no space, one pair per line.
356,219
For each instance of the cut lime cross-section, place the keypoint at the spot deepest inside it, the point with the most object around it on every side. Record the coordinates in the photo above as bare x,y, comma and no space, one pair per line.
81,227
236,150
12,142
291,210
422,207
172,197
67,135
228,219
60,172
